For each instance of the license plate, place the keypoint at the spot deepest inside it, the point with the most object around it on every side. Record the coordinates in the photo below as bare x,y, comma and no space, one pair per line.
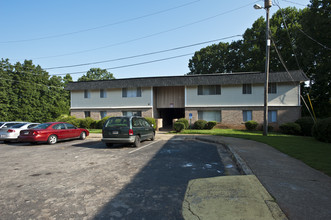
115,132
25,132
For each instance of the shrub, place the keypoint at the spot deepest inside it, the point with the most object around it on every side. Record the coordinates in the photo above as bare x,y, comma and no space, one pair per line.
290,128
322,130
210,125
179,126
251,125
200,124
184,121
151,121
69,119
306,124
101,122
86,122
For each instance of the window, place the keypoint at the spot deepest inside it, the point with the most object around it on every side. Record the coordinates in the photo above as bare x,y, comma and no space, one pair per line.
131,92
209,90
247,115
103,93
131,113
247,88
272,88
59,126
87,94
70,126
87,114
272,116
103,114
210,115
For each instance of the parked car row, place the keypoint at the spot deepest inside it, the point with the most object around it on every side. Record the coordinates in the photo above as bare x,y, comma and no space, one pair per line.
116,130
50,132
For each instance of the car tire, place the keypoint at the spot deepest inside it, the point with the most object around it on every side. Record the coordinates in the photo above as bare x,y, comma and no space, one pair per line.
153,137
109,144
136,141
52,139
82,136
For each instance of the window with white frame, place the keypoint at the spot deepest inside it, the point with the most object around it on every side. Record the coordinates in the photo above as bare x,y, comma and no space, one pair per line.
87,94
272,116
103,114
131,113
209,90
210,115
103,93
247,115
247,88
131,92
272,88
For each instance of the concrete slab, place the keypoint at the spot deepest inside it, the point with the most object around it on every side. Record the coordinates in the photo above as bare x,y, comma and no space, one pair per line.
229,197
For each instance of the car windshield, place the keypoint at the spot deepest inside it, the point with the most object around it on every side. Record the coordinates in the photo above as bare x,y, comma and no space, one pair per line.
1,123
18,125
117,122
42,126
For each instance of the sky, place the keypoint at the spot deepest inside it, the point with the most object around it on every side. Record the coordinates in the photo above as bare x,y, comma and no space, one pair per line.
144,38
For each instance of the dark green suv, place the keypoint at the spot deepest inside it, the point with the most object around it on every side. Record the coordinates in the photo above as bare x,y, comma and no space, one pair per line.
127,130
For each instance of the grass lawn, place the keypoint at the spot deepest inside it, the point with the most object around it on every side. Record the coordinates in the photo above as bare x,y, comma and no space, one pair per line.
312,152
95,131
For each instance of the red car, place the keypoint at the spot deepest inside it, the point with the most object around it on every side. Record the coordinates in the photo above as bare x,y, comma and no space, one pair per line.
52,132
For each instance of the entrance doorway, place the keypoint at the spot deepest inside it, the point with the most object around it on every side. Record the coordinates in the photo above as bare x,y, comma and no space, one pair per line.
168,114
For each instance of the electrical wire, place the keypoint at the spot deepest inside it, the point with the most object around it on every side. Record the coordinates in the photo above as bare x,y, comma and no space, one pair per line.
141,55
102,26
148,36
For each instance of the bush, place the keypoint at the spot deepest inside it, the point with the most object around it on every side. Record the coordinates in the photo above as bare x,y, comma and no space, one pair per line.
101,122
200,124
86,122
290,128
179,126
184,121
210,125
251,125
69,119
322,130
151,121
306,124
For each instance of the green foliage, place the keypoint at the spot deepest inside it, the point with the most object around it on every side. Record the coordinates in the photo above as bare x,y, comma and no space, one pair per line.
199,124
290,128
86,122
101,122
210,125
251,125
179,126
29,93
185,121
96,74
306,124
69,119
151,121
322,130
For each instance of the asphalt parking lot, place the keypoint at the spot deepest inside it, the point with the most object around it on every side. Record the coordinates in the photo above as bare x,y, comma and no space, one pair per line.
86,180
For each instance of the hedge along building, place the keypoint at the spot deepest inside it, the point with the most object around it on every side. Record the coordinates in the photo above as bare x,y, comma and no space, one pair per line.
230,98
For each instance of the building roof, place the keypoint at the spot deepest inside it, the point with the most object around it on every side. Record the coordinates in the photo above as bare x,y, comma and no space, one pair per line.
190,80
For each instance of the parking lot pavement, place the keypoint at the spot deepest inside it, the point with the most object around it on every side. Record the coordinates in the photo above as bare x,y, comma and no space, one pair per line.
86,180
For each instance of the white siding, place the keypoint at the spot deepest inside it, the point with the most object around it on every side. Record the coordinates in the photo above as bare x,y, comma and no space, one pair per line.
287,95
114,99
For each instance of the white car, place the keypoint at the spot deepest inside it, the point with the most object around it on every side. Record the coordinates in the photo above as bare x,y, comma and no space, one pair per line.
7,124
11,133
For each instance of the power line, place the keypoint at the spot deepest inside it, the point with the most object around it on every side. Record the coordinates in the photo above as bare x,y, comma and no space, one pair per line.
150,35
130,65
141,55
102,26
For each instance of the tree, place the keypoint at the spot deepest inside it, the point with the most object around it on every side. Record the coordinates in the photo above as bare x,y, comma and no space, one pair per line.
97,74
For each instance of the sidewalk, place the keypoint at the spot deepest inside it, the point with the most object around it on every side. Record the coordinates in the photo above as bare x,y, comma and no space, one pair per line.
301,191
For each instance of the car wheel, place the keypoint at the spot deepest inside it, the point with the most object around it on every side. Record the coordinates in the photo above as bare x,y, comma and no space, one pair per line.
52,139
153,137
109,144
136,141
82,136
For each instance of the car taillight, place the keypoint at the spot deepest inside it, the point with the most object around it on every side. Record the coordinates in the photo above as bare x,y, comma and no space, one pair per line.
10,130
35,133
130,132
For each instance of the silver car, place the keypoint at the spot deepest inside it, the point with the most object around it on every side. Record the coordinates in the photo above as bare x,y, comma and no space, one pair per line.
7,124
11,133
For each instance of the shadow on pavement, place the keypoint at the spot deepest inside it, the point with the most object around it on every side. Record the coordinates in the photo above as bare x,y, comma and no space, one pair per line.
158,190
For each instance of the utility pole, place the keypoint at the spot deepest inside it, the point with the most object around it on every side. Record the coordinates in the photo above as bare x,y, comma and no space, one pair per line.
267,5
